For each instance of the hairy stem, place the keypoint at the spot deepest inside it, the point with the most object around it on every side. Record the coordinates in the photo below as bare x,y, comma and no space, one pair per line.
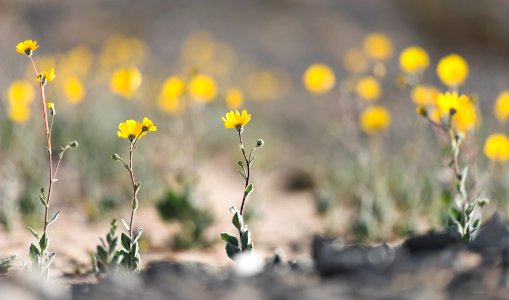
133,181
248,166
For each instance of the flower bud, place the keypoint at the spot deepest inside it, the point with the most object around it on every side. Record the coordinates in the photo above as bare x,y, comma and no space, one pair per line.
115,157
73,144
259,143
240,163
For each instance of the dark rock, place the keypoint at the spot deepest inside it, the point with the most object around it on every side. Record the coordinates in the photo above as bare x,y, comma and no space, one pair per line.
493,235
433,241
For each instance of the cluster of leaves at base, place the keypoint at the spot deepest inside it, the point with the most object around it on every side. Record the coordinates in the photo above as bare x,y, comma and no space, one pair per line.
39,255
130,252
6,264
233,247
106,258
178,207
467,222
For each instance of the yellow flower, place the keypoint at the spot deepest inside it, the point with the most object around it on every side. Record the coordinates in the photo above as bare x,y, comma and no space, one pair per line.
27,47
449,102
465,119
19,113
502,106
202,88
319,78
20,92
368,88
496,147
74,90
377,46
424,95
125,82
130,129
413,60
236,120
355,61
50,105
375,119
234,98
452,70
147,126
169,96
46,77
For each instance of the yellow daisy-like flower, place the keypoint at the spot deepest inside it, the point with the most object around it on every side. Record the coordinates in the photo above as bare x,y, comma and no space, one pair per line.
449,102
377,46
50,105
452,70
423,95
355,61
234,98
20,92
74,90
202,88
319,78
125,82
375,119
501,108
27,47
236,120
147,126
46,77
130,129
496,147
368,88
413,60
465,119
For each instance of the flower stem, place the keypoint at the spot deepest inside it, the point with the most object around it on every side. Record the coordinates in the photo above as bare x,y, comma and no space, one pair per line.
133,181
248,166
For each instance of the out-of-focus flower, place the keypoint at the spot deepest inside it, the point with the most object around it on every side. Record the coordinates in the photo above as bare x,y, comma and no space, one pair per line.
125,81
19,113
20,92
234,98
319,78
130,129
377,46
375,119
452,70
423,95
368,88
46,77
236,120
27,47
465,119
74,90
267,84
413,60
170,95
496,147
202,88
119,51
76,62
50,105
448,103
355,61
501,108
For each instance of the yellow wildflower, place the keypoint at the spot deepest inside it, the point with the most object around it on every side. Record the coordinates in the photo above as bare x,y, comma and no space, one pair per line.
377,46
424,95
20,92
368,88
413,60
147,126
496,147
27,47
375,119
319,78
355,61
236,120
202,88
19,113
449,102
452,70
170,105
234,98
46,77
465,119
50,105
74,90
173,87
130,129
502,106
125,82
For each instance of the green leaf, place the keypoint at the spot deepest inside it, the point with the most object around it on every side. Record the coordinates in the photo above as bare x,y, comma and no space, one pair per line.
232,250
137,236
126,242
55,217
248,190
43,242
135,203
456,214
34,252
102,254
237,220
125,224
43,201
49,259
225,236
33,232
246,240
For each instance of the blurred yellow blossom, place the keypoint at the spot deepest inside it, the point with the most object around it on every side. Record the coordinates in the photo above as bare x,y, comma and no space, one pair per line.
202,88
234,98
413,60
355,61
501,108
50,105
76,62
465,119
424,95
20,92
374,119
27,47
319,78
19,113
125,81
377,46
170,94
46,77
496,147
368,88
452,70
267,84
236,120
74,90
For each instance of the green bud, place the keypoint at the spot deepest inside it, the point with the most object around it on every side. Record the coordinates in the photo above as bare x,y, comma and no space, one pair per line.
240,163
115,157
73,144
259,143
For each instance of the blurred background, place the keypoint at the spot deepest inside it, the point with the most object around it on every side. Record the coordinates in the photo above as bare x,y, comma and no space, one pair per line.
184,64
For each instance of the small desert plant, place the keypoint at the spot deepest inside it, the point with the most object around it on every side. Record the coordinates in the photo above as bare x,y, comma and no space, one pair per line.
237,121
133,131
39,254
106,258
